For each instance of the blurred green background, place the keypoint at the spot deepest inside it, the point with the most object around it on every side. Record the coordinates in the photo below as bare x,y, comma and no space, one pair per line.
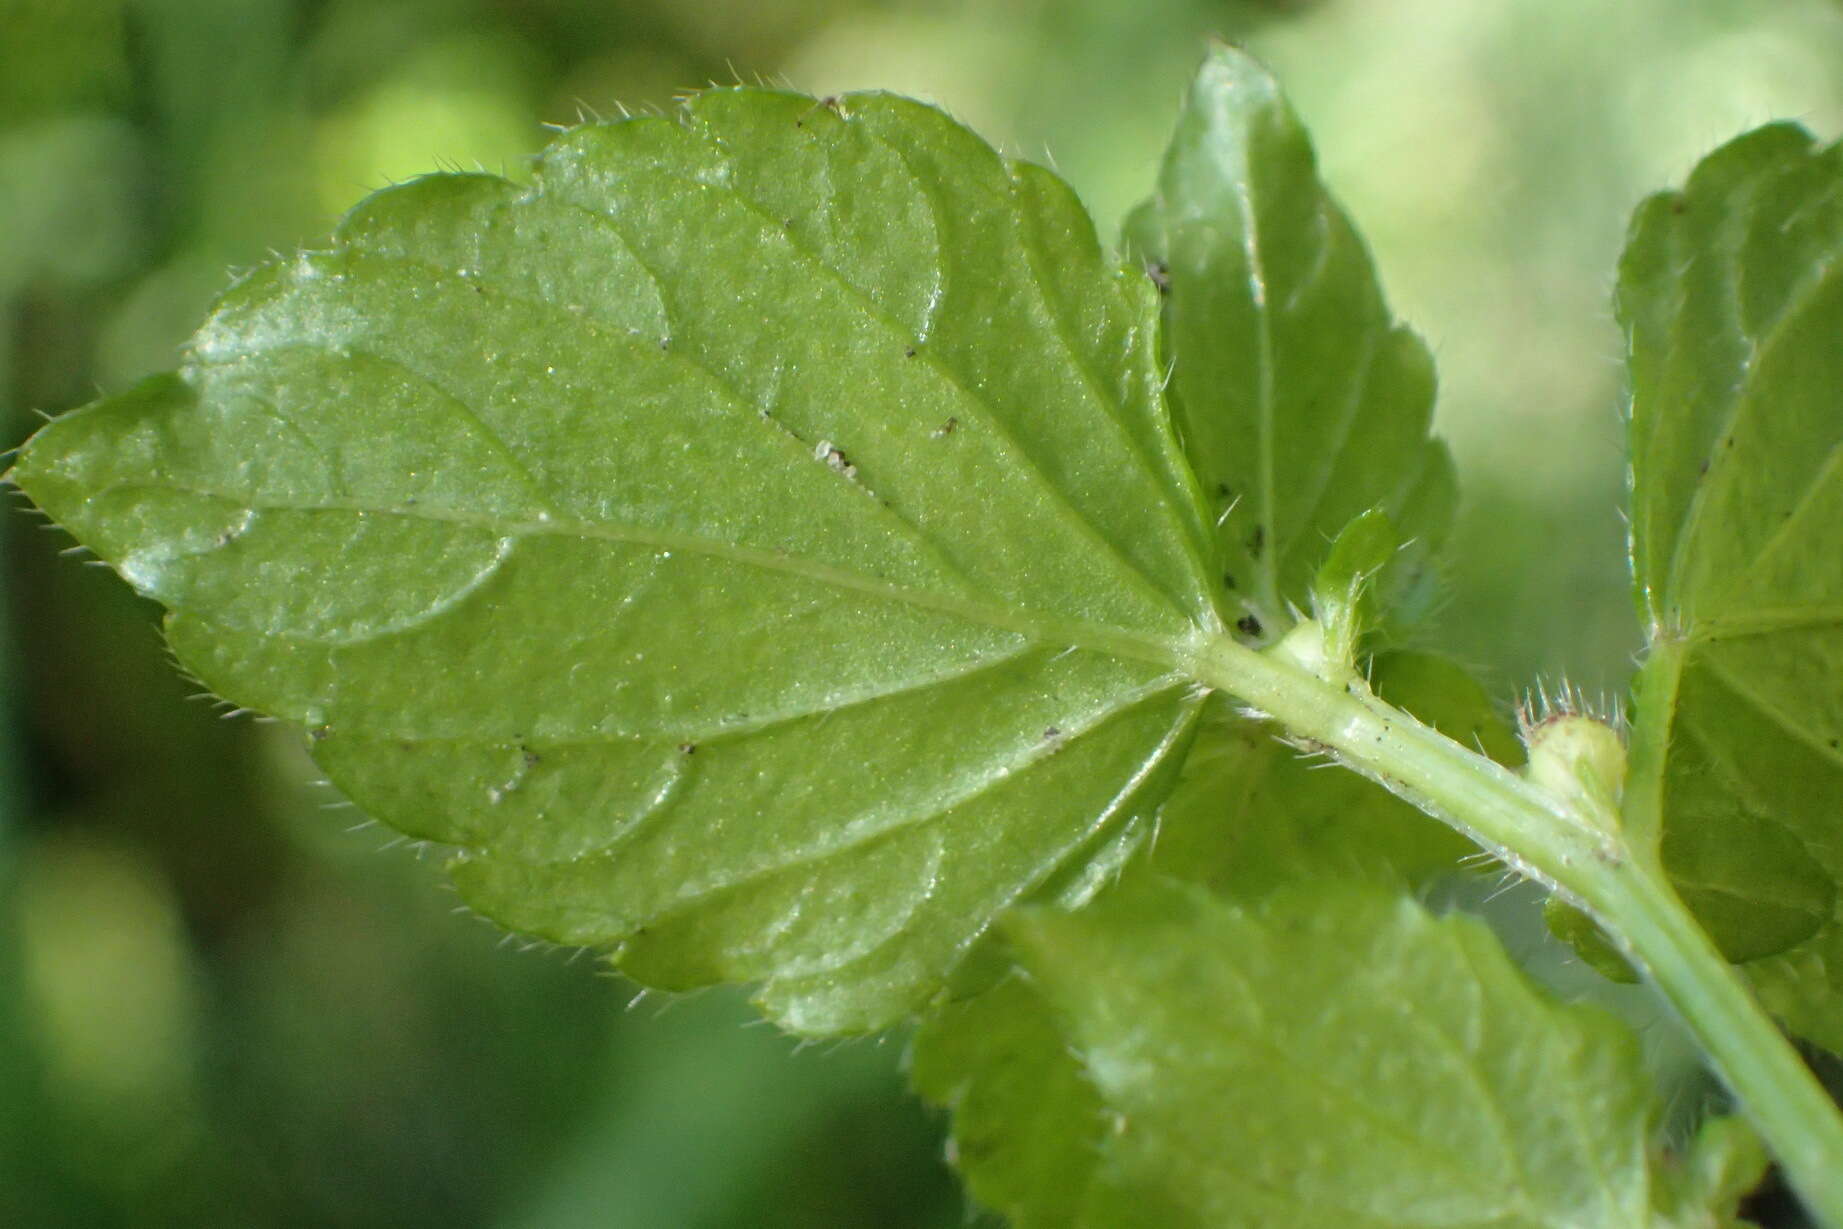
222,1004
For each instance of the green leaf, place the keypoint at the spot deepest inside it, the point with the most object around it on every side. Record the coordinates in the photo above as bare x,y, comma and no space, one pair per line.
1028,1125
1344,592
1733,307
1335,1056
1301,403
1251,813
760,547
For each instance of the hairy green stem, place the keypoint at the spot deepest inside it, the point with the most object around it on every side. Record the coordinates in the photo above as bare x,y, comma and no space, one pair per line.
1585,857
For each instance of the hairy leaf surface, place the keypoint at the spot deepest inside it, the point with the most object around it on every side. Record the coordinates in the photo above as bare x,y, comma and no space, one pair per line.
1334,1056
1301,403
1733,304
759,547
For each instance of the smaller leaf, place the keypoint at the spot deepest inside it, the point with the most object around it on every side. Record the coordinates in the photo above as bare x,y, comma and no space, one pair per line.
1576,927
1336,1056
1344,594
1302,404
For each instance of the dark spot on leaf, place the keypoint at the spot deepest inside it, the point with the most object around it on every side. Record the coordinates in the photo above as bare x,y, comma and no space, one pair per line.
1248,625
1257,541
1224,491
1679,206
1704,467
1228,580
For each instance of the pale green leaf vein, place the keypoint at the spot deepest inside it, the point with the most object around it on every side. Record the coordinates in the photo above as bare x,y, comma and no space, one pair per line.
903,526
1766,622
1310,1072
1830,470
989,416
868,831
1120,642
1799,731
1336,447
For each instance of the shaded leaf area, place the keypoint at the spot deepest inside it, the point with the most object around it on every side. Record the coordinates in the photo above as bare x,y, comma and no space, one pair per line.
1333,1056
759,547
1251,813
1301,403
1731,298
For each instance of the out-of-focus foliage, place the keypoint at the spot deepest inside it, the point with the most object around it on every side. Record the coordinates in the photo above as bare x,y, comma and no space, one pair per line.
218,1006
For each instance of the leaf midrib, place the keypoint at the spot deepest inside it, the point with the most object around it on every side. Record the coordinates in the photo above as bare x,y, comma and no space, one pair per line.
1101,638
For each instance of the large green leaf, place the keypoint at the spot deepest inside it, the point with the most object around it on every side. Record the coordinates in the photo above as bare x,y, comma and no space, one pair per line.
759,547
1334,1056
1300,401
1731,298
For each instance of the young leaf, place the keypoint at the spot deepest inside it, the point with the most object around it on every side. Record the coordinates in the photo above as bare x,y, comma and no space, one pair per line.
1335,1056
759,547
1733,309
1301,403
1345,600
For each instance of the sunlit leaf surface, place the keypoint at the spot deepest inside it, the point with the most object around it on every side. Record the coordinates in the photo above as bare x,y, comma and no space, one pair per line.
759,548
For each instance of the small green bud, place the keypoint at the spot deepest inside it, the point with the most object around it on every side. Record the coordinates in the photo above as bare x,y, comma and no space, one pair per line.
1307,646
1578,758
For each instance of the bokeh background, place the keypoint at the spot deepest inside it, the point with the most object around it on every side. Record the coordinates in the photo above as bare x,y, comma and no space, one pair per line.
224,1001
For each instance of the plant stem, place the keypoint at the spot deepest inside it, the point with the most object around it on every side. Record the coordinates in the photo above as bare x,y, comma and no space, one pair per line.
1774,1087
1585,857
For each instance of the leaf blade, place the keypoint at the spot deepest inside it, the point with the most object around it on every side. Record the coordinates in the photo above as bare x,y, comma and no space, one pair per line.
1302,404
724,544
1731,304
1332,1056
